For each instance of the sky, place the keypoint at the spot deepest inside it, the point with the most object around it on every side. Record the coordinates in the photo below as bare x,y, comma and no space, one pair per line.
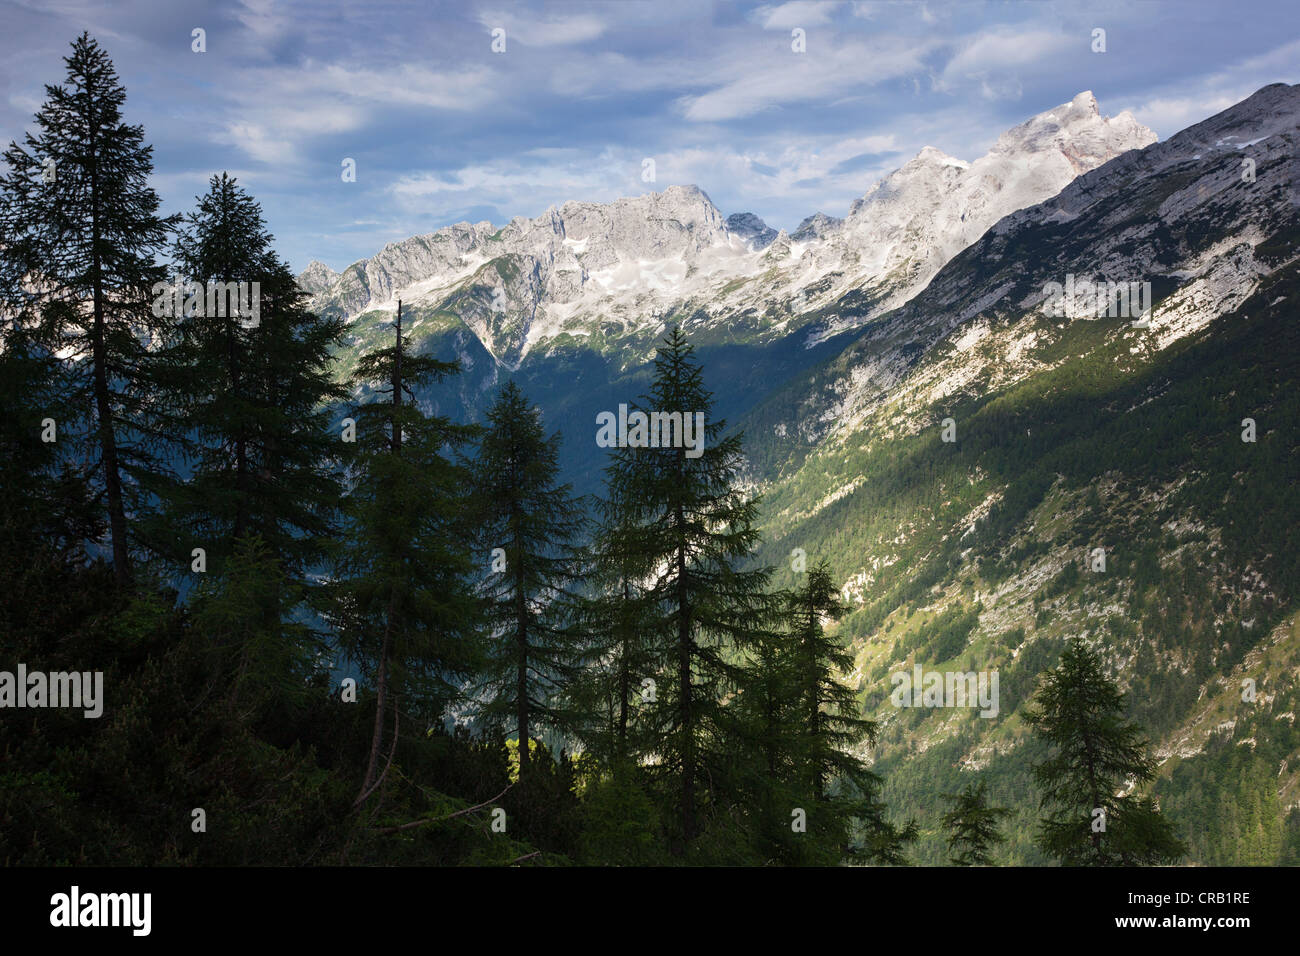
485,111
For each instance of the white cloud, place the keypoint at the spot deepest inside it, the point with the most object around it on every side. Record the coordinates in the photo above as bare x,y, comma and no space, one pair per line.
25,103
260,144
278,132
1174,113
799,13
263,21
274,112
1280,62
801,78
465,89
1167,111
608,72
997,54
552,31
511,182
802,175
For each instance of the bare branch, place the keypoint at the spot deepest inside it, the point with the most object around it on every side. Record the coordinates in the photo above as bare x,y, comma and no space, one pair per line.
450,816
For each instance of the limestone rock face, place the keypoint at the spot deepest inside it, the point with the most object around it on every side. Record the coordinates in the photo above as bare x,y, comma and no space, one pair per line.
619,268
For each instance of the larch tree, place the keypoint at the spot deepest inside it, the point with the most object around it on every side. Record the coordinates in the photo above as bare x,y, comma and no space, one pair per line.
617,657
847,809
252,389
529,527
973,826
676,478
1095,817
81,232
402,601
248,377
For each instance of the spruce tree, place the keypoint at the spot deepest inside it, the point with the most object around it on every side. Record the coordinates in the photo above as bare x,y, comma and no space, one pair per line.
529,527
1079,711
81,230
972,826
693,528
401,601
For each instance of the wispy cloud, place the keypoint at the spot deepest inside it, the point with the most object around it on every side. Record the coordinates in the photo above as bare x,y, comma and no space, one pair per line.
1169,107
544,31
818,75
442,128
800,13
994,60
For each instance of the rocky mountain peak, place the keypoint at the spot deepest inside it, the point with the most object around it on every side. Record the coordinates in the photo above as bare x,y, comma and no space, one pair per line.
1076,131
931,155
1085,101
317,277
750,228
815,226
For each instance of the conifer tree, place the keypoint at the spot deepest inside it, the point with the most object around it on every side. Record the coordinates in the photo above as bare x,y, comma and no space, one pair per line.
530,528
402,602
247,375
829,707
845,791
1098,754
972,826
264,655
763,724
616,658
81,230
694,528
45,504
250,394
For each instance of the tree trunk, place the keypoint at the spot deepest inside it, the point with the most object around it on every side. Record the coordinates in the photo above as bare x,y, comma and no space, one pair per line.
99,356
397,383
521,693
814,702
108,448
381,679
241,437
521,623
684,655
381,699
624,678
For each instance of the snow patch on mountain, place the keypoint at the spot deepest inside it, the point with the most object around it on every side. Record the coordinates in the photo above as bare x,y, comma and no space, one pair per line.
635,261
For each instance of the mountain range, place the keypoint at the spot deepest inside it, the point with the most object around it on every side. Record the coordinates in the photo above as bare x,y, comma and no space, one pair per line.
614,271
989,478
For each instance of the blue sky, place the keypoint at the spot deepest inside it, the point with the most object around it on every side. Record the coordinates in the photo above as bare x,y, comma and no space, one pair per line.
444,129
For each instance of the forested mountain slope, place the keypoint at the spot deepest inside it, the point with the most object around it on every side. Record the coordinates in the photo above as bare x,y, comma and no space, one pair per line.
1171,447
